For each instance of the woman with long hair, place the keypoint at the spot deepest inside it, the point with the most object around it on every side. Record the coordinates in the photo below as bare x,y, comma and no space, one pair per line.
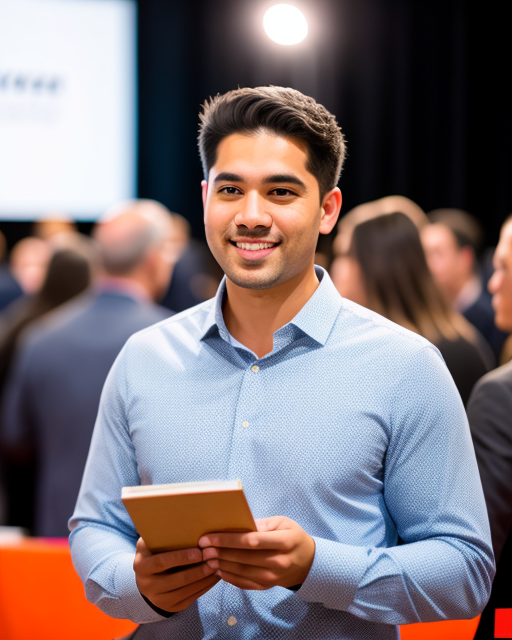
384,269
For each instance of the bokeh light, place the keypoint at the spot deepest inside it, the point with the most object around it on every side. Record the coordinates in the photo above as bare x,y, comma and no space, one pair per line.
285,24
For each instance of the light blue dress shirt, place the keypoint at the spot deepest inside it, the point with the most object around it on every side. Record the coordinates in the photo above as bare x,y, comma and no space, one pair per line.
351,426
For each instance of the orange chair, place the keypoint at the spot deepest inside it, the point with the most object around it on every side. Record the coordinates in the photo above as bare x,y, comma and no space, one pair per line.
42,598
449,630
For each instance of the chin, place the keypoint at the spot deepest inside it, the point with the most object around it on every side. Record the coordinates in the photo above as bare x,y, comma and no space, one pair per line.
503,322
254,280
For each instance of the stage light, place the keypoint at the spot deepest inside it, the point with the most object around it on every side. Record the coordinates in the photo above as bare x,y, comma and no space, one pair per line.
285,24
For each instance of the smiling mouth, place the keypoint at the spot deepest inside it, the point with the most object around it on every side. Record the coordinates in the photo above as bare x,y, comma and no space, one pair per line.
254,246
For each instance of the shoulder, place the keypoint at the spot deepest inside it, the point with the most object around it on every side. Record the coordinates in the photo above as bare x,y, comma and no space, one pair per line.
370,332
55,324
181,328
496,382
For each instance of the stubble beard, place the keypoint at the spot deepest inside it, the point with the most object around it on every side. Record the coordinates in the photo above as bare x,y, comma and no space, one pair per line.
257,278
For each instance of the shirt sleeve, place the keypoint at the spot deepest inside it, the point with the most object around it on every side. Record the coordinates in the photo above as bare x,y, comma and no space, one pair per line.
489,413
432,492
103,537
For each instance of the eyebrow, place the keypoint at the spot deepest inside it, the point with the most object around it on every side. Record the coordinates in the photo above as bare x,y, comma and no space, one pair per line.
228,177
278,177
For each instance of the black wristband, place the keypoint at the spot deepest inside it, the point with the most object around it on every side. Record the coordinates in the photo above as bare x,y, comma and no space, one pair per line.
162,612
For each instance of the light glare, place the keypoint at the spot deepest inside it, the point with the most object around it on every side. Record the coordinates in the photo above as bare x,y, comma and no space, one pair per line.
285,24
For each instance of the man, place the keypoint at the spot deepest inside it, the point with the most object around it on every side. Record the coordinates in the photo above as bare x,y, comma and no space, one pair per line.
345,429
451,244
52,398
489,411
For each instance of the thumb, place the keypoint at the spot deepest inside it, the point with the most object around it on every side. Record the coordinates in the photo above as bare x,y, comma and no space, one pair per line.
271,524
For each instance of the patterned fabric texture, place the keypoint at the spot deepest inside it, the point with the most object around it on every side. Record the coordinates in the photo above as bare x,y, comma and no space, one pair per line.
351,426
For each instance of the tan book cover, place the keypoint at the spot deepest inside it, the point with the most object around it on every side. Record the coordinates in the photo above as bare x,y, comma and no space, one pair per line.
175,516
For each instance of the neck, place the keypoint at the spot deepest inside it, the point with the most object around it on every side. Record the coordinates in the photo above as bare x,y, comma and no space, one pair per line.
253,315
129,286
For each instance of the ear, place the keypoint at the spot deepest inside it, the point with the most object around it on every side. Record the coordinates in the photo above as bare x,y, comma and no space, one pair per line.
204,189
468,256
330,210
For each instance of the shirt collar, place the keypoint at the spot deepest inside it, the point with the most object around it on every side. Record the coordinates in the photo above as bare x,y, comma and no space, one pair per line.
315,319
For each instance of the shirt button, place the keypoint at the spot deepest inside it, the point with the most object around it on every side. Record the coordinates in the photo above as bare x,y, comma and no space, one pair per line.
255,368
232,621
245,424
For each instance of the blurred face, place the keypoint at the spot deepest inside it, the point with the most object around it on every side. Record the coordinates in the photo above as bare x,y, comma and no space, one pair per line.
348,279
444,259
500,284
262,210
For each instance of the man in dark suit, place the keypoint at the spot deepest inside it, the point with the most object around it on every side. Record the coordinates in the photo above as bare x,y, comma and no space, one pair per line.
452,242
489,413
52,398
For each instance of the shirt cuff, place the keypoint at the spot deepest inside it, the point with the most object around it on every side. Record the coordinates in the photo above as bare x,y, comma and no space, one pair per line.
136,607
162,612
335,574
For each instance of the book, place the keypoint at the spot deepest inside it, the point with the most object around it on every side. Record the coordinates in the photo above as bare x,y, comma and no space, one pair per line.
175,516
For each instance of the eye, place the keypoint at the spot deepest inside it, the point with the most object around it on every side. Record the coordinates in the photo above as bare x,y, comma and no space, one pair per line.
282,192
230,191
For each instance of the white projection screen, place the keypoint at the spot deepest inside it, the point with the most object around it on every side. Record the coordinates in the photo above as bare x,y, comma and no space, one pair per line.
67,107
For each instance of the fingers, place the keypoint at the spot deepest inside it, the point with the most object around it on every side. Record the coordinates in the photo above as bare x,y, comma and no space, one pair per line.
147,563
180,599
241,581
260,575
279,540
273,523
183,604
164,583
268,559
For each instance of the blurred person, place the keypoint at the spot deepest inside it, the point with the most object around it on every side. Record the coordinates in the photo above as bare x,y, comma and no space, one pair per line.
54,224
10,289
384,269
452,242
368,210
196,275
336,420
52,397
28,261
489,413
68,275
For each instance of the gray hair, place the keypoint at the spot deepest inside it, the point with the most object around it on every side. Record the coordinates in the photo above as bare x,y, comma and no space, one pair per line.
140,226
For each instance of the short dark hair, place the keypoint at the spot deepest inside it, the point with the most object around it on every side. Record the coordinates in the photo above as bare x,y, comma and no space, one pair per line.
283,111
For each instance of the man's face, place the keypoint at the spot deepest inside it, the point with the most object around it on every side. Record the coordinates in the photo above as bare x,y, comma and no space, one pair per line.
444,259
500,284
262,210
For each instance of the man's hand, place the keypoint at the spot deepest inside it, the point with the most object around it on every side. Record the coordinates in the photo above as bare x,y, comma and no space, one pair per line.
280,554
170,589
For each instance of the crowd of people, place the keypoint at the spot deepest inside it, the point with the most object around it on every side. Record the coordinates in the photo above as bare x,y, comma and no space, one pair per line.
68,303
71,302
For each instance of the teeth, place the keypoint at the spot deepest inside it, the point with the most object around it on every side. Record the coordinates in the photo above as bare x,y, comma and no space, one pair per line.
253,246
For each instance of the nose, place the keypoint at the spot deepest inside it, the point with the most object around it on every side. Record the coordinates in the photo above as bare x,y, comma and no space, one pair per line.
494,282
252,213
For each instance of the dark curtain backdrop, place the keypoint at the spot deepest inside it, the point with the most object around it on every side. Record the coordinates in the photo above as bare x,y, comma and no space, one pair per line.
421,89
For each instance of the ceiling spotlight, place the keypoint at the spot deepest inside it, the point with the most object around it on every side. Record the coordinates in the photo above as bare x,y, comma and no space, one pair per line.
285,24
